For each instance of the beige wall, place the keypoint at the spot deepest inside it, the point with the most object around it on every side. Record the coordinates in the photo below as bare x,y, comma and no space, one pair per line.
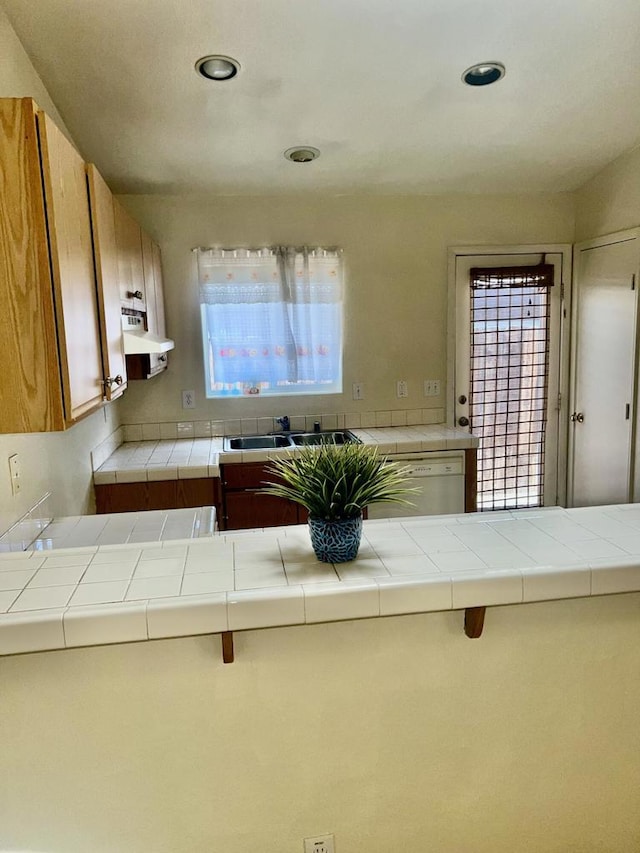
57,462
399,735
396,264
611,200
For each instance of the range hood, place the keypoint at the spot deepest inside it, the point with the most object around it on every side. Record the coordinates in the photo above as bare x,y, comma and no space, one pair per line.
143,343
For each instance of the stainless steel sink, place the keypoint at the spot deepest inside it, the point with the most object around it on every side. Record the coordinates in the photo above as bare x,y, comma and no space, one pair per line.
288,439
326,437
256,442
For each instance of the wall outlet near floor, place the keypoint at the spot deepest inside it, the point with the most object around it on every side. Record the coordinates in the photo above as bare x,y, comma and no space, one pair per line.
402,389
188,399
357,391
319,844
15,472
431,387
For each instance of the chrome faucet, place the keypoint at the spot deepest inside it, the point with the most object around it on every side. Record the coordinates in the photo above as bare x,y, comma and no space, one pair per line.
284,423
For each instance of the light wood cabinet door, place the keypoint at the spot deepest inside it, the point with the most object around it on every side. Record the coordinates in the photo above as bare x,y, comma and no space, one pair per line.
30,378
49,333
130,262
106,264
155,304
71,251
159,290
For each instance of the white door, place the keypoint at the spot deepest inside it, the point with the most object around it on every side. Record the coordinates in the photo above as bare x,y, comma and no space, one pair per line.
604,380
509,371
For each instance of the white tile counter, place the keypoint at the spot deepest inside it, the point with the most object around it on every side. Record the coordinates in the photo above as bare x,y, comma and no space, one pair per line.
258,579
173,459
119,528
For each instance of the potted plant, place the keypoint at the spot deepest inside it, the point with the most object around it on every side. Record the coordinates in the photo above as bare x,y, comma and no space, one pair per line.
335,483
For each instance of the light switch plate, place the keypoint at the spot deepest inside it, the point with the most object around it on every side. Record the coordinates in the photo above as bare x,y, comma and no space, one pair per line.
15,473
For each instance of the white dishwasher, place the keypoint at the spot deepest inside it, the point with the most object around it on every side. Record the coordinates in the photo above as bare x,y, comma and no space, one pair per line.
440,478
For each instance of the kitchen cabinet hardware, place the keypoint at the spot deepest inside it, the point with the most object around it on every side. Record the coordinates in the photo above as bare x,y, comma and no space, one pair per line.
474,621
463,421
113,380
136,294
577,417
462,399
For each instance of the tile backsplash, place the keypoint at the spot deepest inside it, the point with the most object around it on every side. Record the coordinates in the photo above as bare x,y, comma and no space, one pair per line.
21,534
103,451
261,426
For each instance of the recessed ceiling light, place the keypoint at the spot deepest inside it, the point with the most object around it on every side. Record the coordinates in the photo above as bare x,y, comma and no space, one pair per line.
484,73
302,154
217,67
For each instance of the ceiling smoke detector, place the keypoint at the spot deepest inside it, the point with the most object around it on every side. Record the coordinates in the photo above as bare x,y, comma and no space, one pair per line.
302,154
217,67
484,73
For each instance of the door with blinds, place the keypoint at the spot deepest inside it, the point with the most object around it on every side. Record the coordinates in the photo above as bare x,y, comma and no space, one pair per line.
509,373
604,382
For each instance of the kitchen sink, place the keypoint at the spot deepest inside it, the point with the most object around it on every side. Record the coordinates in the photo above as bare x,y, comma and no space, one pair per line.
288,439
326,437
256,442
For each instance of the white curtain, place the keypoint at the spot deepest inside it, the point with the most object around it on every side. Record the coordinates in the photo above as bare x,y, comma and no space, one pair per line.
271,320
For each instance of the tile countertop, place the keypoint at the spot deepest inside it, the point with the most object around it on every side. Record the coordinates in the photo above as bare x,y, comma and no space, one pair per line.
119,528
258,579
174,459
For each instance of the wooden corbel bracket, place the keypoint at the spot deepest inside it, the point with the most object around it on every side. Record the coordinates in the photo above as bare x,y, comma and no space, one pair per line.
227,646
474,621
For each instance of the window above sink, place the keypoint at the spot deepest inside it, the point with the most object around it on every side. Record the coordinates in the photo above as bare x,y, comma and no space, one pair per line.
271,321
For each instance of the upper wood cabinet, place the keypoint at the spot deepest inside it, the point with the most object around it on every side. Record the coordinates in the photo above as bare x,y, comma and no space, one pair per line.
49,332
155,301
106,264
130,264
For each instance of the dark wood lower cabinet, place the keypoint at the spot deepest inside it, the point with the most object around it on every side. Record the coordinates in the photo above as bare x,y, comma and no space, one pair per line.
246,506
163,494
254,509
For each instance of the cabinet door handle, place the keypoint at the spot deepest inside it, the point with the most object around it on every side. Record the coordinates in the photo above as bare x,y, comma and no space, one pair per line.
111,380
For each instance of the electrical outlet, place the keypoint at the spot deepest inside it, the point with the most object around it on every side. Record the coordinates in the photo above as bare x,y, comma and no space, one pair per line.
15,472
319,844
431,387
188,399
357,391
402,389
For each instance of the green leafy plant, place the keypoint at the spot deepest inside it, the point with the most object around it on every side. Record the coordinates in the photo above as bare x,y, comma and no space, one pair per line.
336,481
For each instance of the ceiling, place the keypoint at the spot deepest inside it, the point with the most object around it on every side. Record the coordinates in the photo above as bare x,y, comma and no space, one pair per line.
374,84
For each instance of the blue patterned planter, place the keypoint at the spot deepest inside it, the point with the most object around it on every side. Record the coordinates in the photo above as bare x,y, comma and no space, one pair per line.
335,541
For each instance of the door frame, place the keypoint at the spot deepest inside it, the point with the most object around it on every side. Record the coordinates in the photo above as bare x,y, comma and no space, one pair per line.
634,470
565,250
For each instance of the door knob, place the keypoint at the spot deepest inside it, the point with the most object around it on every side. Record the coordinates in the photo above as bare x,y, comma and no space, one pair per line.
463,421
577,416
